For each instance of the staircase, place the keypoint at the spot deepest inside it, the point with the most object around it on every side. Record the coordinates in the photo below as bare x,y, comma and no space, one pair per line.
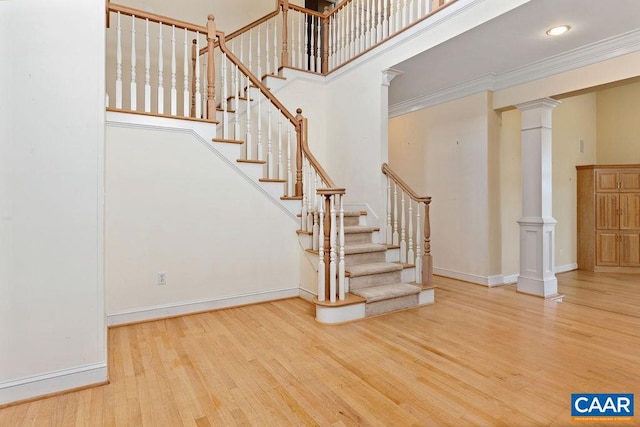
361,271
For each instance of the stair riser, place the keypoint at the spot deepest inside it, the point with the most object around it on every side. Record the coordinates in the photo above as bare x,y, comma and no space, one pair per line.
374,280
357,238
351,220
353,259
395,304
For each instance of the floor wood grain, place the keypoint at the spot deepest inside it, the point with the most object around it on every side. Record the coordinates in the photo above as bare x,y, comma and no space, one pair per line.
479,356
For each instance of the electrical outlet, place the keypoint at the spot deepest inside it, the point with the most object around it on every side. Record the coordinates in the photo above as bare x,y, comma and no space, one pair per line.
162,278
582,146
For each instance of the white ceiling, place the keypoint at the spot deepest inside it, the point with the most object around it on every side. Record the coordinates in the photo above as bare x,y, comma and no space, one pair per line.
511,41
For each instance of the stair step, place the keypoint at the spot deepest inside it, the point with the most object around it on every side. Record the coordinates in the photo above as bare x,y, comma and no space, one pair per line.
361,248
259,162
373,268
353,229
385,292
275,76
291,198
272,180
228,141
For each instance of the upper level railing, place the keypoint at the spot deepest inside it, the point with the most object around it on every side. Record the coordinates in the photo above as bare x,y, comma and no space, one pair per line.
401,200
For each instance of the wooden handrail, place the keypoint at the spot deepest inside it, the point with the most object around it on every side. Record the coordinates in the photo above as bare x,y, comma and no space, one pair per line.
253,24
307,152
130,11
388,171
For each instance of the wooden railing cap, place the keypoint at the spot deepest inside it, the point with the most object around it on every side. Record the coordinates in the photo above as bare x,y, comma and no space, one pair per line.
330,191
386,169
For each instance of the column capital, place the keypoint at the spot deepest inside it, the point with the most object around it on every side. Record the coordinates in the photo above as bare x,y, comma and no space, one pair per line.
389,74
546,103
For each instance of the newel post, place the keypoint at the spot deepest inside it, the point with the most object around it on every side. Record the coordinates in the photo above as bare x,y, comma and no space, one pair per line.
284,55
427,261
301,138
211,71
325,41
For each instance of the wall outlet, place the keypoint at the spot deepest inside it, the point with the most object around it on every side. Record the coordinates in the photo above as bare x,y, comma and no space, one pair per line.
582,146
162,278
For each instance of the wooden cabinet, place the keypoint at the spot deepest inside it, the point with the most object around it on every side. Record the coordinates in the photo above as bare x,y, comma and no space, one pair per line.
609,218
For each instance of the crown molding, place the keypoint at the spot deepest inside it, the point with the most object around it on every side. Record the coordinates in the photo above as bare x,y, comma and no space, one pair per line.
602,50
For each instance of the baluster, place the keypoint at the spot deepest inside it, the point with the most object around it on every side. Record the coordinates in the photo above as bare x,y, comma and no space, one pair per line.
395,216
315,213
330,48
204,86
267,52
352,38
321,265
305,205
332,256
368,36
259,52
341,272
198,98
223,101
411,9
306,44
302,40
185,100
419,12
310,192
280,171
259,120
410,253
250,57
147,69
418,268
363,29
290,161
248,141
318,45
118,64
398,16
270,163
236,104
174,91
403,242
160,73
274,70
133,87
389,230
385,21
379,19
404,14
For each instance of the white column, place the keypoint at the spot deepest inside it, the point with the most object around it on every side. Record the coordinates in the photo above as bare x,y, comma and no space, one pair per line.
537,226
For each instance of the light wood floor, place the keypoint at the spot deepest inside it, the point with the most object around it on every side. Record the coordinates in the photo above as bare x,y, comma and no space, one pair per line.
479,356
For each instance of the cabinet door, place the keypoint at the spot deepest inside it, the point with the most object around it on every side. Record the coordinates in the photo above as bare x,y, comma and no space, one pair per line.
607,248
607,217
629,211
630,249
629,180
606,181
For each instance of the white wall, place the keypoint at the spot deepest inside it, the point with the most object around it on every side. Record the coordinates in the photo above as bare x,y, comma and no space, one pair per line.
174,206
52,325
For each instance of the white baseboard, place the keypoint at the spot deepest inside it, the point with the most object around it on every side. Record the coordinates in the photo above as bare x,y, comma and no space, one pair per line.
473,278
307,295
52,382
565,268
511,278
181,308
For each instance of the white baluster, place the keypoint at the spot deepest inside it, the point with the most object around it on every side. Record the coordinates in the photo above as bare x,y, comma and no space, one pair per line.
305,201
203,88
352,37
270,163
341,272
225,95
398,16
174,91
403,242
395,216
385,21
248,141
290,160
411,9
280,171
133,87
418,268
310,195
147,69
318,45
321,266
379,19
259,52
368,37
267,51
301,40
250,56
389,229
197,77
363,29
317,201
419,12
185,67
411,257
274,70
404,14
119,64
306,44
330,47
236,106
332,255
160,73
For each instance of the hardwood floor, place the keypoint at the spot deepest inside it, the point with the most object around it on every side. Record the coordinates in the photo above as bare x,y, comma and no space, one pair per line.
479,356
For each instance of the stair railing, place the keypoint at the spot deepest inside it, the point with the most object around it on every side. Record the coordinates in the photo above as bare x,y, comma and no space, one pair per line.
399,230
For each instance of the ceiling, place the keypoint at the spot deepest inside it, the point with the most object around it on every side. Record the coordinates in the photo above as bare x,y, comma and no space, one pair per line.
511,41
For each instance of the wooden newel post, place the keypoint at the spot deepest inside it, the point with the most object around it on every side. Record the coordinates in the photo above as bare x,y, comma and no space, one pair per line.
327,245
211,70
284,55
427,261
194,52
301,138
325,41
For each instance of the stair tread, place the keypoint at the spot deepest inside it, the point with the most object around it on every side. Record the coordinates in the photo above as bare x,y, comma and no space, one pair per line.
372,268
228,141
352,229
272,180
361,248
385,292
259,162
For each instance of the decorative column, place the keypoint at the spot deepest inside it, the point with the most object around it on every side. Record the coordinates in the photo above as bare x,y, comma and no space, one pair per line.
537,225
387,75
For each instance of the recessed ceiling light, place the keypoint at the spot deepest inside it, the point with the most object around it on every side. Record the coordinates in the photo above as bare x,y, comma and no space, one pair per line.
556,31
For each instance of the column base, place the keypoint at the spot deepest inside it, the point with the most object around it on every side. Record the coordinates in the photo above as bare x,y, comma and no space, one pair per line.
539,287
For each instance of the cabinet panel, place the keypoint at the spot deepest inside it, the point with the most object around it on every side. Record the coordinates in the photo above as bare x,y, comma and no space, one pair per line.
630,249
606,181
629,211
629,180
607,248
607,217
